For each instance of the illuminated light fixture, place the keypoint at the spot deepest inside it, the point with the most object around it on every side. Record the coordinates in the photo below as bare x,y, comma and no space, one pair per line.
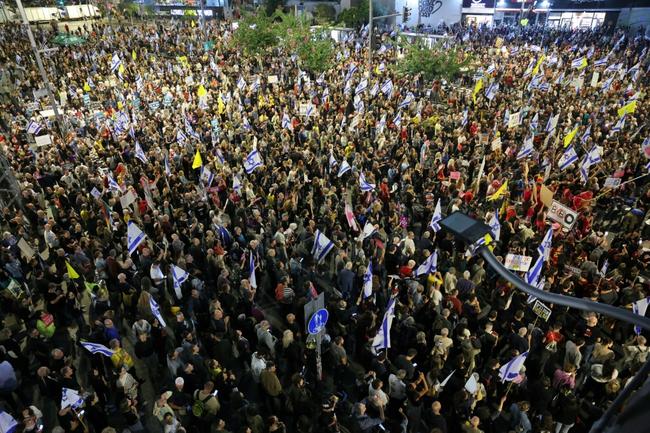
545,4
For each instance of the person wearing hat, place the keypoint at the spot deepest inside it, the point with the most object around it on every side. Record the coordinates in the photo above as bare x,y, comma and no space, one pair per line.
161,406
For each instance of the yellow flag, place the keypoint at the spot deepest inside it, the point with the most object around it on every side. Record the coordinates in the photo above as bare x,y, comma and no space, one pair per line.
121,69
627,108
583,64
86,88
539,63
183,60
198,162
71,272
221,107
134,56
524,22
120,105
477,88
193,23
488,241
502,190
201,92
569,137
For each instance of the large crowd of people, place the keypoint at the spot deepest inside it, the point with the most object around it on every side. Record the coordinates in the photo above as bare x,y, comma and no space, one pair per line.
157,263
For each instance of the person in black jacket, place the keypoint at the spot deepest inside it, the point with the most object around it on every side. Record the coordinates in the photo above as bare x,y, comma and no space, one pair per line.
566,410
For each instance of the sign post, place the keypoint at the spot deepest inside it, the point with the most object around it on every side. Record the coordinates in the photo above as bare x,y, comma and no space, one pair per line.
316,323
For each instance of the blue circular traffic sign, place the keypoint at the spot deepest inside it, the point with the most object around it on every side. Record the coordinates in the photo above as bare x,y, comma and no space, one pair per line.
318,321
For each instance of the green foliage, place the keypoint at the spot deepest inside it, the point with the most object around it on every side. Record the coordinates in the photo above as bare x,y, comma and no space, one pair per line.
129,9
324,13
272,6
355,16
433,63
256,34
316,55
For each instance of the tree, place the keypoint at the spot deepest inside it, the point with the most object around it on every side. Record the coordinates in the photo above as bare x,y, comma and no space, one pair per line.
255,35
324,13
271,6
433,63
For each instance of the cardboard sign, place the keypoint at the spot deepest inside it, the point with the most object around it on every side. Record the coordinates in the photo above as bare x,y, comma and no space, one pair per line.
43,140
513,120
496,144
542,311
127,199
272,79
518,263
594,79
546,196
562,214
25,250
454,175
612,182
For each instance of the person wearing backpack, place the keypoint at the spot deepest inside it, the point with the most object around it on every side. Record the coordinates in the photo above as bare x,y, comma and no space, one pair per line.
206,405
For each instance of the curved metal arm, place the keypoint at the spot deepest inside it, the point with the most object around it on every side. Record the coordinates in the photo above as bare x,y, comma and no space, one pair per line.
567,301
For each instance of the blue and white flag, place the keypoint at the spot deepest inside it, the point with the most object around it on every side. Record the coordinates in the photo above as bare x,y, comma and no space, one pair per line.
322,246
585,135
534,123
511,370
96,348
241,83
603,268
495,226
246,124
645,147
155,311
430,265
381,67
180,136
382,124
533,274
206,177
492,90
190,130
544,249
252,161
286,122
436,218
353,68
552,123
311,110
527,149
112,184
506,116
568,157
70,397
361,87
332,161
345,167
179,276
601,62
491,69
365,185
115,62
33,127
407,100
367,281
8,423
139,153
139,83
374,90
387,87
465,120
591,51
168,170
577,62
640,307
382,339
607,84
619,125
397,121
326,94
252,279
134,236
236,184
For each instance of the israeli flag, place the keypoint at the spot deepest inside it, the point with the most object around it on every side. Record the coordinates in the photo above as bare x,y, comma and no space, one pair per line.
590,53
246,124
526,149
351,71
190,130
241,83
179,276
374,90
251,266
586,135
382,67
345,167
96,348
619,125
236,184
367,281
600,62
139,83
568,157
322,246
584,170
577,62
544,248
181,137
321,79
407,100
168,170
603,268
70,397
640,307
7,423
495,225
429,266
368,231
326,94
348,87
139,153
533,274
491,68
252,161
361,87
115,62
255,85
286,122
387,87
112,184
492,90
155,310
365,185
398,119
436,218
560,78
33,127
382,339
645,147
310,110
510,371
332,161
465,118
552,123
207,177
506,116
134,236
534,123
382,49
382,124
607,84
